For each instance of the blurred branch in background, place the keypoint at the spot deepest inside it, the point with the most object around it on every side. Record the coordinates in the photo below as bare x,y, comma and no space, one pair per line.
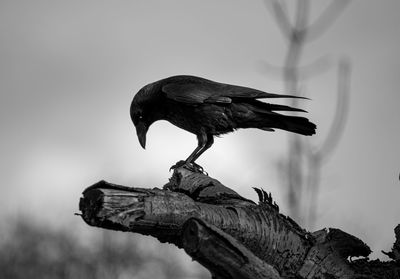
304,162
316,157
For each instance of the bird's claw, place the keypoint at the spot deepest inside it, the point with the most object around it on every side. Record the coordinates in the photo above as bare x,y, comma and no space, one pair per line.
189,166
198,168
177,165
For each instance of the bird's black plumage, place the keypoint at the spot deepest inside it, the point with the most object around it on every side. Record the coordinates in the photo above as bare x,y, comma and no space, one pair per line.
207,109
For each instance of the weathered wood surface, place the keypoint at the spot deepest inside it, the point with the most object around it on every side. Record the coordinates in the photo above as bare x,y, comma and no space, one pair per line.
222,254
272,237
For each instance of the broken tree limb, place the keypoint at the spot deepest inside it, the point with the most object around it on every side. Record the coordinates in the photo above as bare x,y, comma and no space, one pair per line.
221,254
272,237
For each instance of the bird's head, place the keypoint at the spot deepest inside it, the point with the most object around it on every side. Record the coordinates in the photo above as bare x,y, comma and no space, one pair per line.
142,113
141,124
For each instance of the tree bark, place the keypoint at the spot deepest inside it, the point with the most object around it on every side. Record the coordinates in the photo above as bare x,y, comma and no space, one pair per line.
229,232
222,254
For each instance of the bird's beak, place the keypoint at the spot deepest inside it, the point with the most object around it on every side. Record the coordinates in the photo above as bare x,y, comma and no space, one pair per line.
141,131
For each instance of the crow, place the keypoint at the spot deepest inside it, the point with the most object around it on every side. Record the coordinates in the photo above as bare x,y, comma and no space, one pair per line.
207,108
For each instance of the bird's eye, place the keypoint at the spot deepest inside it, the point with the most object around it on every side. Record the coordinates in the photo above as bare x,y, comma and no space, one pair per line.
138,118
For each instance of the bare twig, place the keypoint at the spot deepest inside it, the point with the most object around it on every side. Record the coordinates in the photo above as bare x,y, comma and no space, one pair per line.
317,157
342,109
291,74
326,19
317,67
303,164
281,16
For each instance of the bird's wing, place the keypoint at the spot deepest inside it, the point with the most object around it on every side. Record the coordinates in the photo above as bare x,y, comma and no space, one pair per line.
234,91
189,93
206,91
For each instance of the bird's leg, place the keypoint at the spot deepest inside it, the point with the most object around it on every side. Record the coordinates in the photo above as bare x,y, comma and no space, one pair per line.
209,143
205,142
188,163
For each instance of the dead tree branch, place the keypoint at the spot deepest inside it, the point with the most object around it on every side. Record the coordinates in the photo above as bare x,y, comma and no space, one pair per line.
230,232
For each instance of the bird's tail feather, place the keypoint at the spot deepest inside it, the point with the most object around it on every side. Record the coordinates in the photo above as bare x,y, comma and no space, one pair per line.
295,124
262,107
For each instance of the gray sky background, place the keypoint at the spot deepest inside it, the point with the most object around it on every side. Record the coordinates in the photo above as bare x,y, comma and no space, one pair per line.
69,70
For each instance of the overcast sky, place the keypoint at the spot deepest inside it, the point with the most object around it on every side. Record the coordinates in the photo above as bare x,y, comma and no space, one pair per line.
69,70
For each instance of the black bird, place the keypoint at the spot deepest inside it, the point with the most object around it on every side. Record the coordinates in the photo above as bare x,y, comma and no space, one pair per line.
207,108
